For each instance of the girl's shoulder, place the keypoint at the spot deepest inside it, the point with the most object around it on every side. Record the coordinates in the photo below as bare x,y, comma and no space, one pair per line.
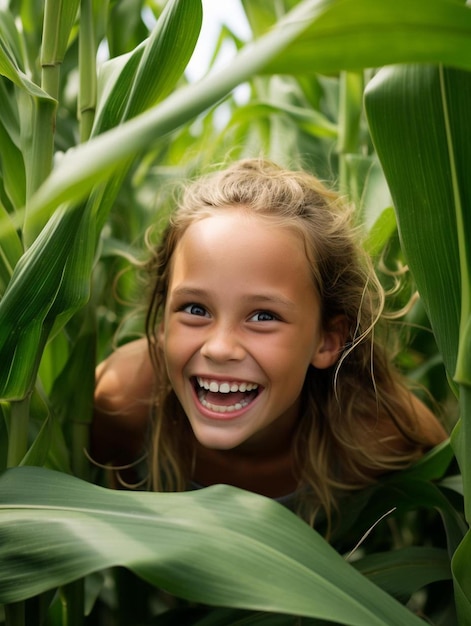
124,381
122,403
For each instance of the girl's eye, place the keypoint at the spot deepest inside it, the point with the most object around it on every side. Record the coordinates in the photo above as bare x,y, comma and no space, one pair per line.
195,309
263,316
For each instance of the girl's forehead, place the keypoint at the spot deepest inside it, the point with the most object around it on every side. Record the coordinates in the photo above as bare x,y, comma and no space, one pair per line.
250,229
236,238
234,216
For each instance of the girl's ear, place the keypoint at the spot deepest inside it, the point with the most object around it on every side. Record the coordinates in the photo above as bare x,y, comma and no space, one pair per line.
332,342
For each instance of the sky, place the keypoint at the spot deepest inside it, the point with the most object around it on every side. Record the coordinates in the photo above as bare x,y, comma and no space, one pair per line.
216,12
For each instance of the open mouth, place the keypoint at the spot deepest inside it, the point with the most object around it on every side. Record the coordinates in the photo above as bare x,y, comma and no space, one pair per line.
225,396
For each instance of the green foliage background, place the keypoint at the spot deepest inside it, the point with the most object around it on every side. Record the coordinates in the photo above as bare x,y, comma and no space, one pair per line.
90,151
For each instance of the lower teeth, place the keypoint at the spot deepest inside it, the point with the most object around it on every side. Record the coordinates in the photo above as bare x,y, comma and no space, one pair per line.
218,408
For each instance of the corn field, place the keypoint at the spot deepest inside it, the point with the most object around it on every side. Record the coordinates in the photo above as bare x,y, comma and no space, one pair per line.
98,121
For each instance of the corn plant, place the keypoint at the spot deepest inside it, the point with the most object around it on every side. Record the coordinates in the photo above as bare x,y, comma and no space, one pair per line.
428,127
67,183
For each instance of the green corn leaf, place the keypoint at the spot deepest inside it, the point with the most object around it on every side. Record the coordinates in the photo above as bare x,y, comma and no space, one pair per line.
376,205
93,162
461,441
146,77
3,437
125,28
141,79
426,155
10,37
129,139
381,232
405,108
309,120
22,349
37,279
10,248
39,449
10,70
234,617
454,483
74,289
404,571
261,15
72,402
9,111
13,168
133,82
115,79
219,546
407,494
166,54
462,575
356,34
433,465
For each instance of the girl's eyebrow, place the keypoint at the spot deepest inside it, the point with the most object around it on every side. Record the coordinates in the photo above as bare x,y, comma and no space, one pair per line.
255,298
269,298
189,292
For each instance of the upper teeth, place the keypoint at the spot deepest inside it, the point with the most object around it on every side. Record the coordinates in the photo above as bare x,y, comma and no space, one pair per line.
226,386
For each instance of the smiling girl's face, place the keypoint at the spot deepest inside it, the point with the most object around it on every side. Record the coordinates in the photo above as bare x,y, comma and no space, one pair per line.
242,324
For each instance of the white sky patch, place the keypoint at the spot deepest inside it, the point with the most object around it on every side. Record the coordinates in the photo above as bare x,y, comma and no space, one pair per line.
216,13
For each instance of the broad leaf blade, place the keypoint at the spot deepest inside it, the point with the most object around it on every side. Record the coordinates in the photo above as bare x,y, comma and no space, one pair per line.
403,572
354,34
419,119
92,163
407,123
9,68
462,574
220,546
37,279
166,55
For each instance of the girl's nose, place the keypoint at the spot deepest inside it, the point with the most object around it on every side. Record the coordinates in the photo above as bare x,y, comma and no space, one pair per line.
222,345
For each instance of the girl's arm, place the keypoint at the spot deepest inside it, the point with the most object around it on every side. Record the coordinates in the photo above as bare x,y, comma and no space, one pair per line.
122,405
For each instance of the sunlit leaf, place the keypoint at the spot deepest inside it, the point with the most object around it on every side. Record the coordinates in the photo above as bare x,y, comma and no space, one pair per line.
36,279
357,34
420,126
182,543
417,166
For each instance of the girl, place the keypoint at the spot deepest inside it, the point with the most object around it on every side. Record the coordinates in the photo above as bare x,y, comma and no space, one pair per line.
262,368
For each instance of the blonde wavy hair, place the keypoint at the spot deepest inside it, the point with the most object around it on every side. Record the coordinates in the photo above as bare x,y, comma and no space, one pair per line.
343,407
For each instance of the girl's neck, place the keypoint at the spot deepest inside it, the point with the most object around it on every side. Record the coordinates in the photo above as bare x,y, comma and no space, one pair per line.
267,474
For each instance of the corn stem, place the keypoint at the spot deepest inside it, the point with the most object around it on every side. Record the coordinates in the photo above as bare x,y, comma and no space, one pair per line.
87,70
73,596
15,614
350,108
18,435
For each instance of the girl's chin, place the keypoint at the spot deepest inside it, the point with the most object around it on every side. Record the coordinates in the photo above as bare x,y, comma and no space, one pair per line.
210,443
